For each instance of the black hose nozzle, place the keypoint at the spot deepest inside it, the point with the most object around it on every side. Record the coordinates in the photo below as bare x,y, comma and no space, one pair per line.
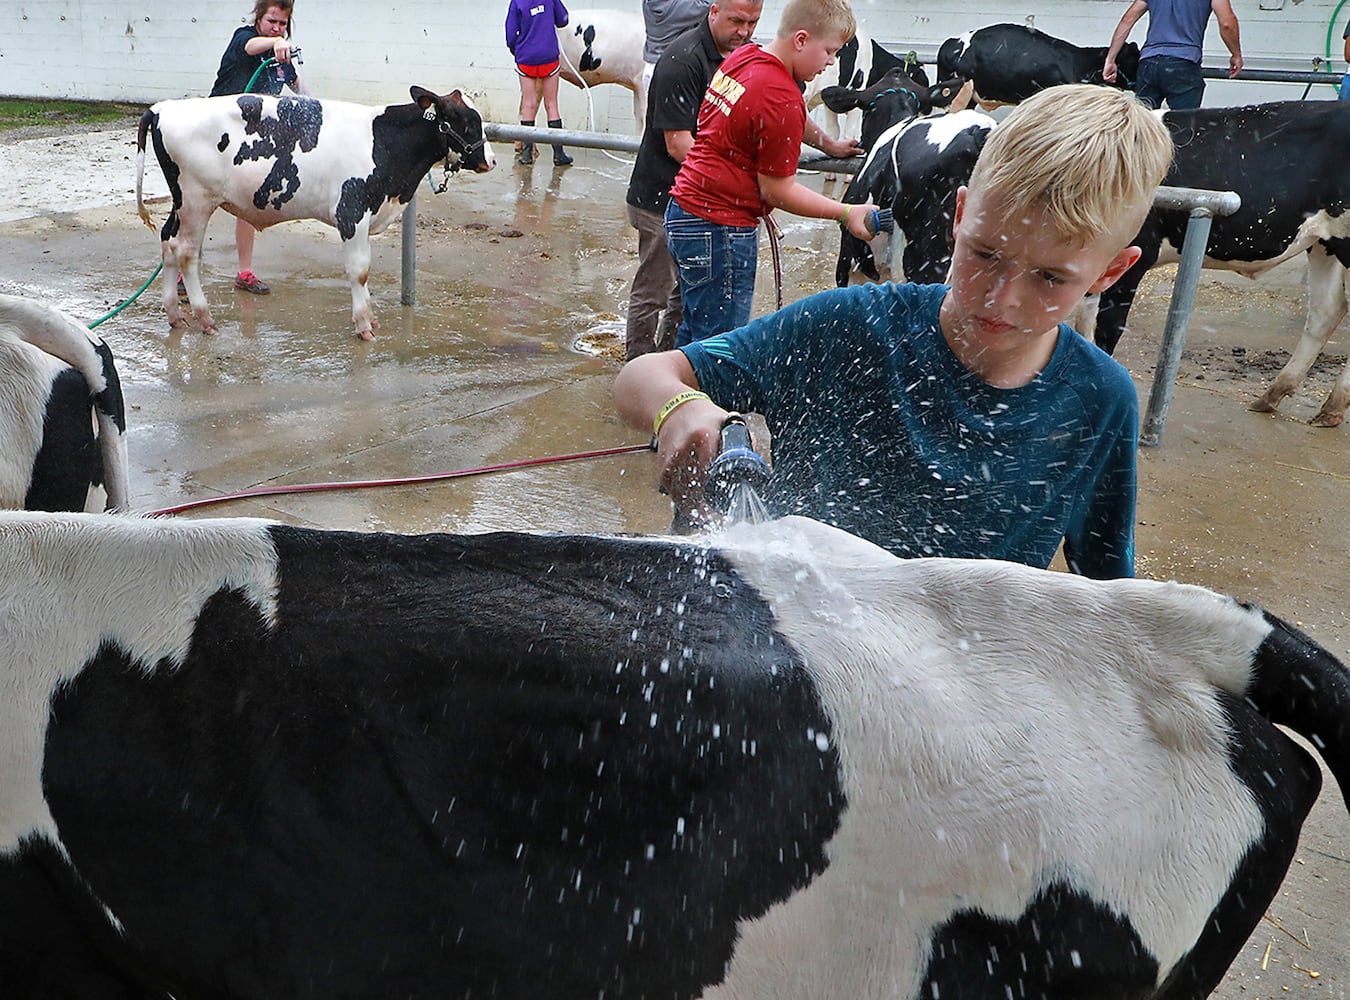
736,464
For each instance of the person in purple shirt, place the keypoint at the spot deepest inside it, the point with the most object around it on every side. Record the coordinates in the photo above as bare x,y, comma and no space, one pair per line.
1169,62
532,37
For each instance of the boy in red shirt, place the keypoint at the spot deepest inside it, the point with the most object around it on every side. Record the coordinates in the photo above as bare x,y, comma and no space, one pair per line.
744,163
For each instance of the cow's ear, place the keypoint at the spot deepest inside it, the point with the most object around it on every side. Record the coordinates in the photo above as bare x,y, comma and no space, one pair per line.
455,97
942,94
422,97
839,99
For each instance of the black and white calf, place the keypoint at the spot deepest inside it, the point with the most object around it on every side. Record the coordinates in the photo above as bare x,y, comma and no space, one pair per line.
274,159
62,419
894,98
859,64
782,763
1285,161
914,169
605,46
1010,62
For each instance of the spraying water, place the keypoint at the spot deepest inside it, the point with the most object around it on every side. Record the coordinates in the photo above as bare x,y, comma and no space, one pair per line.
737,475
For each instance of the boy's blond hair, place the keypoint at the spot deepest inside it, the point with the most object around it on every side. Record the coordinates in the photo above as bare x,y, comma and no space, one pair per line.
826,19
1088,158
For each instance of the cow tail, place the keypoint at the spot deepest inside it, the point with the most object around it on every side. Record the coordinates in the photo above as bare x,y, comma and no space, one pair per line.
111,414
1298,684
146,120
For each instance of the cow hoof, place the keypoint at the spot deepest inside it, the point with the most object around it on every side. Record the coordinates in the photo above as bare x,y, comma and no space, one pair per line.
1263,405
1325,419
210,331
365,334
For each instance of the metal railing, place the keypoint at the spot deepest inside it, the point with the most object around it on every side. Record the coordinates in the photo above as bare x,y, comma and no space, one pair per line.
1322,70
1202,206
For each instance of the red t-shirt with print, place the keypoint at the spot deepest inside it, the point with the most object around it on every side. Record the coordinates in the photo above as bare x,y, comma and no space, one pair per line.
751,123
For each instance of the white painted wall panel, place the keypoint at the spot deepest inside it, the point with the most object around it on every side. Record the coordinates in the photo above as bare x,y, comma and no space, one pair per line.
148,50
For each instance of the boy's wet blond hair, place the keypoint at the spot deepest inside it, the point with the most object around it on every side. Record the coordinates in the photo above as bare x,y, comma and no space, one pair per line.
1087,158
827,19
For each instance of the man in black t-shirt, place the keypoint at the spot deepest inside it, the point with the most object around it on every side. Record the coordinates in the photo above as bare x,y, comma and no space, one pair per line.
677,88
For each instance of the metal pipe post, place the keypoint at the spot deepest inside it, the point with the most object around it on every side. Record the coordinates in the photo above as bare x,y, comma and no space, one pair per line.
496,131
408,295
1174,333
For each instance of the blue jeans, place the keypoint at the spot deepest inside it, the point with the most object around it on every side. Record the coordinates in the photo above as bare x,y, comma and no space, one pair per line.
717,273
1345,87
1178,80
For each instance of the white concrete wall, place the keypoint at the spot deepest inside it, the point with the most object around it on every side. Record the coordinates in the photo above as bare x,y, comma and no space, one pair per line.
147,50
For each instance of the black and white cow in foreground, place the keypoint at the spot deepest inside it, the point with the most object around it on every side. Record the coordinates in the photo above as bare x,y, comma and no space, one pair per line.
62,419
274,159
779,763
859,64
1285,161
914,169
605,46
1010,62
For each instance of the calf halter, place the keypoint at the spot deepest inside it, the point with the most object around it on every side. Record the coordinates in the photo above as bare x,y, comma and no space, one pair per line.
445,128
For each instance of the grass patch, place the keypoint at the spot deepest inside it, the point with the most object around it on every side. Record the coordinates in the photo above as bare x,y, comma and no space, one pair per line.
18,112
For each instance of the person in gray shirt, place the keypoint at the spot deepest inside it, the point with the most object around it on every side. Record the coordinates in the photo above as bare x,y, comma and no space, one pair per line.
665,21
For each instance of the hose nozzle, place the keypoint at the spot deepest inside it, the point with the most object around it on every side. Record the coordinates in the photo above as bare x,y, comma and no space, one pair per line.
736,464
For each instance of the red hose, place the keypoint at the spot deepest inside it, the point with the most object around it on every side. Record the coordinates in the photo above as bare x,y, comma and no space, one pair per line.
362,484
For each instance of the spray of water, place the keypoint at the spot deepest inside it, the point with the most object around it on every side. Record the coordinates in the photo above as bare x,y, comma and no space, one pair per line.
746,505
736,475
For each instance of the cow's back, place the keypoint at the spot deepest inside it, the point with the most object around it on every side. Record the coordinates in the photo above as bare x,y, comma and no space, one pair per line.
272,158
271,761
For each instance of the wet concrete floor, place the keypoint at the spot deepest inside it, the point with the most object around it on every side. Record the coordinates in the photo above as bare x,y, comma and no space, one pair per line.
513,268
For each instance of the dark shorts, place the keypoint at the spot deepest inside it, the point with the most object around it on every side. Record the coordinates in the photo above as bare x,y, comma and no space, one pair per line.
538,72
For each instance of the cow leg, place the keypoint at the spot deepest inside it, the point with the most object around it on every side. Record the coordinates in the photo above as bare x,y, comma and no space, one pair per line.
356,251
169,284
1257,751
1332,413
1084,315
640,105
1113,307
186,247
53,940
829,124
852,124
1326,308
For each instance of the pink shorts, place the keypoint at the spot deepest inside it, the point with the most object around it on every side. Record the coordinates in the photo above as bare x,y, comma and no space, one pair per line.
538,72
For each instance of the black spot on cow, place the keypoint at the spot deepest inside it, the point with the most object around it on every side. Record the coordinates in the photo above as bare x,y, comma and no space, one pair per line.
507,855
1078,952
224,142
351,206
69,459
589,61
110,399
295,128
150,123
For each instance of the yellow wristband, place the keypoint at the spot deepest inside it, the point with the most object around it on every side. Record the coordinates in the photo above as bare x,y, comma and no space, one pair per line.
674,404
843,219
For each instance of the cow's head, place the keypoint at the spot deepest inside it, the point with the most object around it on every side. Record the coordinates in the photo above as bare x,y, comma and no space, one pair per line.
1127,65
894,98
460,126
